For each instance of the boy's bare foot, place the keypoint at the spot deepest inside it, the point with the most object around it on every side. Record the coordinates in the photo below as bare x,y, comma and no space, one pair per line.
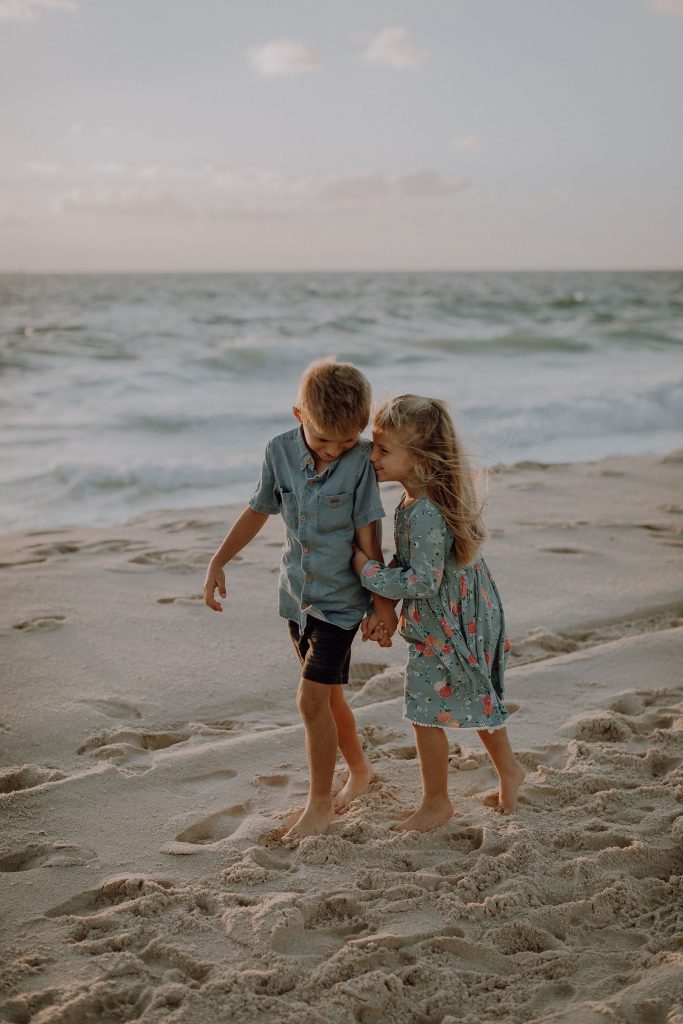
357,783
429,815
314,821
504,799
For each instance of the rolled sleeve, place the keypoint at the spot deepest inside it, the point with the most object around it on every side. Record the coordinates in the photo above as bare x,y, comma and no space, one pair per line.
266,497
367,506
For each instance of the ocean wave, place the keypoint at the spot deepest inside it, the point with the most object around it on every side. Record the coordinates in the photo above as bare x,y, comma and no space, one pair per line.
78,480
136,391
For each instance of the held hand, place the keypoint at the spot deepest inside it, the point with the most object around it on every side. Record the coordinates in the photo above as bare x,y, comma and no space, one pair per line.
373,628
215,580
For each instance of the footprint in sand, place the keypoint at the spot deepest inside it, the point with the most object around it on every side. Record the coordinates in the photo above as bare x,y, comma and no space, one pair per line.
112,893
112,744
22,561
28,776
220,775
59,548
378,735
593,840
406,752
216,827
465,840
46,855
274,780
112,544
178,525
44,623
127,744
112,708
185,599
541,643
188,560
567,550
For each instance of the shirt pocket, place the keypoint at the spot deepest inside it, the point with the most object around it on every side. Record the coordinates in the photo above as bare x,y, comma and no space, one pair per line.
290,509
334,512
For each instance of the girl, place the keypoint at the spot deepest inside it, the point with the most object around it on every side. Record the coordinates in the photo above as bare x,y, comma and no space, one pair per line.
452,616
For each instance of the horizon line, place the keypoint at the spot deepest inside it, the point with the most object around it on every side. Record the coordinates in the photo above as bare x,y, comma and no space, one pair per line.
307,270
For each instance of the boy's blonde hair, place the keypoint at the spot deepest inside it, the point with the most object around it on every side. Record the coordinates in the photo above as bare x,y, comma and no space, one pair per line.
424,427
336,397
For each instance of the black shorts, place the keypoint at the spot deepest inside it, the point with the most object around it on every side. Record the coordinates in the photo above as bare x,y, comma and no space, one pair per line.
324,650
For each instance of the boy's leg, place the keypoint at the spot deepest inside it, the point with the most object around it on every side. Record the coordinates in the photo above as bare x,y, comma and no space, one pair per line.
313,700
436,807
360,769
510,772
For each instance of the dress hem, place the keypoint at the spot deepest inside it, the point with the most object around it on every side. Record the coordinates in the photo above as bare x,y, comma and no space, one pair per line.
436,725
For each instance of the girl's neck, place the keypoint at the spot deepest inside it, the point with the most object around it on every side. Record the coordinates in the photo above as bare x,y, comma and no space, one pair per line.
411,494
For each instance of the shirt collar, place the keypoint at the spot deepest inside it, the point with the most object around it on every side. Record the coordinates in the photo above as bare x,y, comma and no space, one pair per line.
305,457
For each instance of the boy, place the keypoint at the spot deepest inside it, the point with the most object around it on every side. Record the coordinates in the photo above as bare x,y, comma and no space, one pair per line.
320,478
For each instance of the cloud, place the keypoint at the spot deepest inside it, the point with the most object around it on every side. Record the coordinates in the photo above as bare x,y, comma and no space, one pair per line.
354,188
167,193
667,6
109,168
466,143
158,204
283,57
429,184
41,167
393,49
28,10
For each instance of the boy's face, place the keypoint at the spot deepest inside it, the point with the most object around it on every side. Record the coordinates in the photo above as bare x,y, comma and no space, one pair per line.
325,445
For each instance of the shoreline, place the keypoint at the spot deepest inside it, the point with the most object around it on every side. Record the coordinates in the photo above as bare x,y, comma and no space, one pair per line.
232,507
152,752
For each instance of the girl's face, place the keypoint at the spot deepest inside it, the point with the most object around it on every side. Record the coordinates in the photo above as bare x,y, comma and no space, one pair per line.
390,460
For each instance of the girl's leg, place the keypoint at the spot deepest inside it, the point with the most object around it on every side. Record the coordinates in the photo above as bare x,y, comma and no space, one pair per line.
436,808
313,700
360,769
510,772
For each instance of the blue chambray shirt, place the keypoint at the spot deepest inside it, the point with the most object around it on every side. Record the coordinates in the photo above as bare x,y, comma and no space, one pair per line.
321,512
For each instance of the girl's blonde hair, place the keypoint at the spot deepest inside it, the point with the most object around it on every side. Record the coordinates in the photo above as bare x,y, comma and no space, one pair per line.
441,467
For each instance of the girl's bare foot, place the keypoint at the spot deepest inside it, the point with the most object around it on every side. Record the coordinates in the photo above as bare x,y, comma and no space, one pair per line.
357,783
314,821
429,815
504,799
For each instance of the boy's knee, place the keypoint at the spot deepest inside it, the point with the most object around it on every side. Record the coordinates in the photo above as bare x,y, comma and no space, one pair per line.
312,702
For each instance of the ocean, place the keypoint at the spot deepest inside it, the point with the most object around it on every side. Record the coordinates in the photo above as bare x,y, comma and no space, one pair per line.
124,393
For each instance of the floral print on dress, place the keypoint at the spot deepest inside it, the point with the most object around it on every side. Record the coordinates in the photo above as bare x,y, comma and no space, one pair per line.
453,620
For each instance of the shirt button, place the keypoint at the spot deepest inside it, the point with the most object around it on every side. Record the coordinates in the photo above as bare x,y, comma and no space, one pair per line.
302,518
306,550
309,577
310,483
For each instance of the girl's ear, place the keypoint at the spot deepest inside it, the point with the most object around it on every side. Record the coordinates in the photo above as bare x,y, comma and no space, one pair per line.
297,412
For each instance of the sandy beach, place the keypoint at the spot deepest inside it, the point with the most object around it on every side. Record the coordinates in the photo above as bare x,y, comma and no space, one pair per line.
152,754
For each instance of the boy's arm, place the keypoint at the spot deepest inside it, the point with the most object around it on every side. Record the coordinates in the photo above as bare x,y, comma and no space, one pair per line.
241,533
368,541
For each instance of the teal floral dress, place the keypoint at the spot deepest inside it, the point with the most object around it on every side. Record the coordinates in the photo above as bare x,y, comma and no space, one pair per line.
452,618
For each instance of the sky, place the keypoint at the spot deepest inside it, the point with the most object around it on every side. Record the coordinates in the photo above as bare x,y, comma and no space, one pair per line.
214,135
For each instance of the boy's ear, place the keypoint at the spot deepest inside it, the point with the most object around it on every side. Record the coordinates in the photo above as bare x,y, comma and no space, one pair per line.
297,412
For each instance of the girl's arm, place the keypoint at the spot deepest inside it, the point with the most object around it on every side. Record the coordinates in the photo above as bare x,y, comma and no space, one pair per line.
430,541
241,533
368,542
